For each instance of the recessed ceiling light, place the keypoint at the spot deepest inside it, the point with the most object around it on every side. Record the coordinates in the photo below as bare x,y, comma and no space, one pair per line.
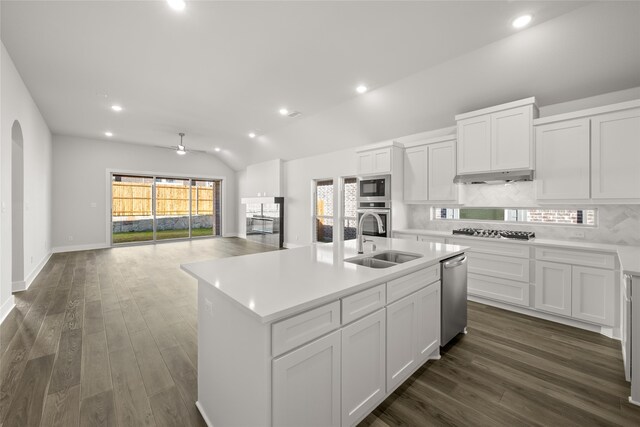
252,135
177,4
108,133
521,21
116,108
217,149
284,111
362,89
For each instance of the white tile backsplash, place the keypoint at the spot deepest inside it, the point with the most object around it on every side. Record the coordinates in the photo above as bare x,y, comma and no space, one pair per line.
617,224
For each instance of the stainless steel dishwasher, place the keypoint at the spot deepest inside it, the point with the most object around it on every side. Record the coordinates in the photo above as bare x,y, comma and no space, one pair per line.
453,307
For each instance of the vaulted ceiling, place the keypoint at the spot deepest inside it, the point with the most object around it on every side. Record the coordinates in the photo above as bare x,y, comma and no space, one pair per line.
219,70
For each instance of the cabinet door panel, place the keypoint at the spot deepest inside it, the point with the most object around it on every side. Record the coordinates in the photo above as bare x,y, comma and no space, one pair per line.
614,155
562,160
363,366
382,160
553,287
401,340
415,174
306,385
499,266
592,295
474,144
365,163
428,321
441,171
511,139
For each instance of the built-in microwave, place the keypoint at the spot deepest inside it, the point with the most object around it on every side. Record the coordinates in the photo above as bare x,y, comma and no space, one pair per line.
374,188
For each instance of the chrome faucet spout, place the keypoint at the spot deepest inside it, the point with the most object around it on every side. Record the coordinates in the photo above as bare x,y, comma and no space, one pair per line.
360,236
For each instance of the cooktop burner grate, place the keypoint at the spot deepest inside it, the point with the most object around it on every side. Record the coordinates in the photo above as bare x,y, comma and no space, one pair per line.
496,234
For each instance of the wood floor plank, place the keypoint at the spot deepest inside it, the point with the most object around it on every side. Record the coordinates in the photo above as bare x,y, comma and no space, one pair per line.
117,334
132,316
48,337
182,372
93,319
155,375
168,408
66,371
96,370
98,411
26,405
62,409
131,401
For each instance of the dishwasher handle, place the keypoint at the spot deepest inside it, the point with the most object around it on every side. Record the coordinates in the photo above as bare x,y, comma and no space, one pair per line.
455,262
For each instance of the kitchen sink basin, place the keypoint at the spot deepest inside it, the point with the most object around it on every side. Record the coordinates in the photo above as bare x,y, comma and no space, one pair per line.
384,259
396,256
371,262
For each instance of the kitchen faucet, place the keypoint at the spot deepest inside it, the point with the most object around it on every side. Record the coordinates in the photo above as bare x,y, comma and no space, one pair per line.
360,237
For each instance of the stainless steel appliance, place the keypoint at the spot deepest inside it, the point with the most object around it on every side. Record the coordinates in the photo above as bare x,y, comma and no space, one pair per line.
496,234
453,311
374,188
370,224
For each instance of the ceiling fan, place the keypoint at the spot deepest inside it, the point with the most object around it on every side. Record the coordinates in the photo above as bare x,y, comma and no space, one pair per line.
180,149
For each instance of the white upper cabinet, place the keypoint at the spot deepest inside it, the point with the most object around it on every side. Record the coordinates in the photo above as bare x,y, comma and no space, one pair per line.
562,160
474,144
512,139
374,161
498,138
415,174
441,171
590,155
429,169
615,155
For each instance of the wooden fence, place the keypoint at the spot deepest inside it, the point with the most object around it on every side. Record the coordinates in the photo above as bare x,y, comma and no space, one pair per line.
134,199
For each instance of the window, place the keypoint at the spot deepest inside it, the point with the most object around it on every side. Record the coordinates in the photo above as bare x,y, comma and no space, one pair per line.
323,211
148,208
585,217
349,206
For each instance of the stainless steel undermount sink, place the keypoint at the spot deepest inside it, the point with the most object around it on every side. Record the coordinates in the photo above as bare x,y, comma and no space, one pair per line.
396,256
384,259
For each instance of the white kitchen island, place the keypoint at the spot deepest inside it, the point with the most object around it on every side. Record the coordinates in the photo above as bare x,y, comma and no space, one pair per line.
302,338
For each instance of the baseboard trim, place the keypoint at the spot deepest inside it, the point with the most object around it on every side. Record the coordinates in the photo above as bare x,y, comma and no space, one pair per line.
34,273
7,307
230,235
204,415
18,286
613,333
75,248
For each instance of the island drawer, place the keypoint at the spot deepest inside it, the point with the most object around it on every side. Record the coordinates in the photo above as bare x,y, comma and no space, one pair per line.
587,258
499,266
300,329
359,305
403,286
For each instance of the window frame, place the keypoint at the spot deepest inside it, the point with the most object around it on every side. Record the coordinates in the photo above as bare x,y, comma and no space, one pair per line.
314,208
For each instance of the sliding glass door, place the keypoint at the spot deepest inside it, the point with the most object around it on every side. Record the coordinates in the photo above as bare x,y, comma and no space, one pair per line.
150,208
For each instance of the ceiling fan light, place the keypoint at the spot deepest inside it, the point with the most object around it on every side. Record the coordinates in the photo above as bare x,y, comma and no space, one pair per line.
181,151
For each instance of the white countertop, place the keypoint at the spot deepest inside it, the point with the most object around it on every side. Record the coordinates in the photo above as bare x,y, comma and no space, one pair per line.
629,255
274,285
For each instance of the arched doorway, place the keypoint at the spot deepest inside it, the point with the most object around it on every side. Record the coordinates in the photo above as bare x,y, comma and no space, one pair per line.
17,207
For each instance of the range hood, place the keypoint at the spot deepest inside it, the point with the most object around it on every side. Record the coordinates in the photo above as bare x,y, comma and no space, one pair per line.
494,177
261,200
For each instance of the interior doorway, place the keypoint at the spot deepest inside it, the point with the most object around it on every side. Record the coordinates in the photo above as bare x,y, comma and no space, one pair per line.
17,207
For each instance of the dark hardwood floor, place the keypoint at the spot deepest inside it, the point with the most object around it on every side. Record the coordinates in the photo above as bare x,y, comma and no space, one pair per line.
108,338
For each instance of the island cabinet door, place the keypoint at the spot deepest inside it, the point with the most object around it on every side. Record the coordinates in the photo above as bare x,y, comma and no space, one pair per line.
363,367
428,321
402,325
306,384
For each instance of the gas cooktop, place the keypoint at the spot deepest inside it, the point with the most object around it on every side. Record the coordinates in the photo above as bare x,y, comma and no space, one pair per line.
496,234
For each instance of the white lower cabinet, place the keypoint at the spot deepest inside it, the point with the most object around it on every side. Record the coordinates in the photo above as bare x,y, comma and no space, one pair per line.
306,384
553,287
428,321
592,295
413,333
363,366
583,293
402,329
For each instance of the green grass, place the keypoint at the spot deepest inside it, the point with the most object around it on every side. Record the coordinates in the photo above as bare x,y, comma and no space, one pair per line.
142,236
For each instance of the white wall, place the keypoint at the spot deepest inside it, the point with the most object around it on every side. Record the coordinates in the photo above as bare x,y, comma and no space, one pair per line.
17,104
80,178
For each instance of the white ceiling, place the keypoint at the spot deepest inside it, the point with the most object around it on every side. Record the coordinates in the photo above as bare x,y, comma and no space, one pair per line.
221,69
